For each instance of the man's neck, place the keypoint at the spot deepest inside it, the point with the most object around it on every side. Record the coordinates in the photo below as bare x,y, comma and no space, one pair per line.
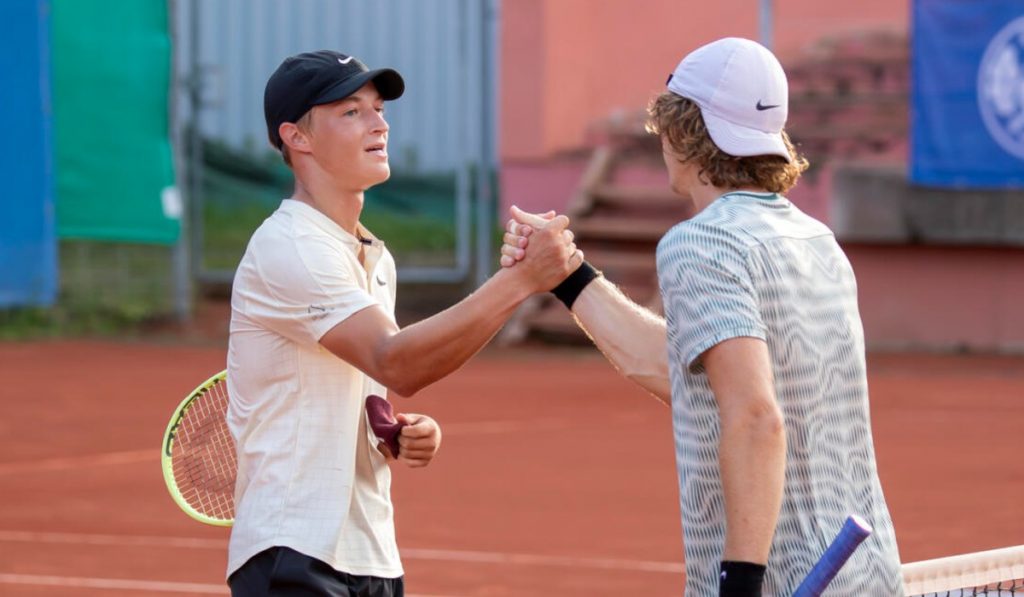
341,205
704,195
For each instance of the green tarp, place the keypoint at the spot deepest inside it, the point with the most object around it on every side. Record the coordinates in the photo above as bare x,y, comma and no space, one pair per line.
111,74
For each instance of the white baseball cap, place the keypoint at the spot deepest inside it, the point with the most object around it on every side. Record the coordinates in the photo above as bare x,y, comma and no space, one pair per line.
742,93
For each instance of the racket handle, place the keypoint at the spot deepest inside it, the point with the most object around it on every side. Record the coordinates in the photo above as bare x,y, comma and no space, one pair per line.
855,530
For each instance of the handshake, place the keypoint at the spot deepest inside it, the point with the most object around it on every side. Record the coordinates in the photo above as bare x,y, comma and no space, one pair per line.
541,247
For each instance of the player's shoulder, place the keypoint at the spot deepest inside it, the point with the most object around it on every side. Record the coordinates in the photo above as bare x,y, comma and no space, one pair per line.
288,229
707,232
286,247
274,228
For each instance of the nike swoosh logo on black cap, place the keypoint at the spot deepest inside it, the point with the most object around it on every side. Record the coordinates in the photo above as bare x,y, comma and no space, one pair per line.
761,107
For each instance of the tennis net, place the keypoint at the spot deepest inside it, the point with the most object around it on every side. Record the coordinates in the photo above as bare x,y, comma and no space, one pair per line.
994,573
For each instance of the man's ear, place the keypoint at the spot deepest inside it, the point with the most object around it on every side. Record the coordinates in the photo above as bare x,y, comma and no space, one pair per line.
294,137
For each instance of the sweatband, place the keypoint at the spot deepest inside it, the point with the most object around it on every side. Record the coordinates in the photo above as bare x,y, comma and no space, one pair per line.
571,287
741,579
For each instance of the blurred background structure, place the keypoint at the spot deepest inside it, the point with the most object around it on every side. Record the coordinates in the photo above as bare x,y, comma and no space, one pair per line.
929,208
147,168
442,131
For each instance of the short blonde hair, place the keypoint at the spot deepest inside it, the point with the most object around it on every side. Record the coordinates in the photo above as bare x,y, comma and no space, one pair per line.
678,120
305,124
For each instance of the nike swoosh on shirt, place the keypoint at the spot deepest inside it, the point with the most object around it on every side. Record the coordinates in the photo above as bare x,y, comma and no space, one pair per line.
381,282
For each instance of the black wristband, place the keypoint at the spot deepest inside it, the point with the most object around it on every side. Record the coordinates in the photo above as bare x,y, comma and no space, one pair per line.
740,579
571,287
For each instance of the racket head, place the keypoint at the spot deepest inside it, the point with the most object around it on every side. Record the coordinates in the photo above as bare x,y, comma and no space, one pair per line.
198,456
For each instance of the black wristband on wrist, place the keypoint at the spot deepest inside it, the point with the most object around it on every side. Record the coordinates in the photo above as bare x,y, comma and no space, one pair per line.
571,287
740,579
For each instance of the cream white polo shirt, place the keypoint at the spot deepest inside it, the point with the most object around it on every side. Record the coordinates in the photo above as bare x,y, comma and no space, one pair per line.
309,475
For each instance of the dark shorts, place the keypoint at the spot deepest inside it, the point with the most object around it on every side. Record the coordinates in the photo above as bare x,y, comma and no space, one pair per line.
284,572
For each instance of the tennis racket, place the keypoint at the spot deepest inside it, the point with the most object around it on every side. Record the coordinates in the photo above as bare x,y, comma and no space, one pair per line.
199,459
855,530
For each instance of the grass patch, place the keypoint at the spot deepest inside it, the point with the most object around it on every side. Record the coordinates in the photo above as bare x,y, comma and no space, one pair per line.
413,214
106,289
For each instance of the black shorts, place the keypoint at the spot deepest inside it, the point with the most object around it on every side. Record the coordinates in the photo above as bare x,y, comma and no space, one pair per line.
284,572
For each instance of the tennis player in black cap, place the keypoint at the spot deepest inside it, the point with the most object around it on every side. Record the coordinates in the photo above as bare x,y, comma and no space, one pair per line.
313,334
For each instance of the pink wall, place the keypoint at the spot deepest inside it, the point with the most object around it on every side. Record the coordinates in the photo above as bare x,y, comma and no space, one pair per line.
537,187
521,89
799,23
568,63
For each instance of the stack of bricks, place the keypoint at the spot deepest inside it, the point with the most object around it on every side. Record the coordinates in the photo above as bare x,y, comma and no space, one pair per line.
848,98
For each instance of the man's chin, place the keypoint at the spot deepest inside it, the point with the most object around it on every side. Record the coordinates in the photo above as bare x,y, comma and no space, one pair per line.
381,174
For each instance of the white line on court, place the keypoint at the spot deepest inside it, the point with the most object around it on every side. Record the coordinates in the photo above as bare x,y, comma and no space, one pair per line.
411,553
450,555
153,454
112,540
77,462
149,586
118,584
531,425
511,426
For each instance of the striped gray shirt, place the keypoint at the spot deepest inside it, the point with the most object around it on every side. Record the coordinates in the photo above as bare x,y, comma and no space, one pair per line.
752,264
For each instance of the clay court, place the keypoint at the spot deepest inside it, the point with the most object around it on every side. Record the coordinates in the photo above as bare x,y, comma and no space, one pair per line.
556,477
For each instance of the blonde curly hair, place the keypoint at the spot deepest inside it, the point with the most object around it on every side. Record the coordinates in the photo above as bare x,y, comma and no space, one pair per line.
679,121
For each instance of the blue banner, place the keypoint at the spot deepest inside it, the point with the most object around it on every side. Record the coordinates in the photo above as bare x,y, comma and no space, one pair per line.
28,249
967,94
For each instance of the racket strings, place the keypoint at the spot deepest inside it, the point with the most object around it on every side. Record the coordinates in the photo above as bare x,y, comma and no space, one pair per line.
203,455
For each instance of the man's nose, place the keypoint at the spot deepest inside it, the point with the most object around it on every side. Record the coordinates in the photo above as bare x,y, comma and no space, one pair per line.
380,124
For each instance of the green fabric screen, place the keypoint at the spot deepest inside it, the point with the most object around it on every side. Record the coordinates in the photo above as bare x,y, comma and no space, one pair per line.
111,74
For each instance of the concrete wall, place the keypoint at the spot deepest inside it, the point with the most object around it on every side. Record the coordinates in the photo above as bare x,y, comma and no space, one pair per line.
940,298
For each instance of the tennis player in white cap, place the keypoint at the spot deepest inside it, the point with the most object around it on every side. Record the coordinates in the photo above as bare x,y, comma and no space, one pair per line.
765,364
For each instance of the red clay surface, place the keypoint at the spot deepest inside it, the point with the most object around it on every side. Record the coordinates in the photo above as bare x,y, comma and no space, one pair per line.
556,477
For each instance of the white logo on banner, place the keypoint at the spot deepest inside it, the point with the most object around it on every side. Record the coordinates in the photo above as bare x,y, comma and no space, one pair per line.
1001,87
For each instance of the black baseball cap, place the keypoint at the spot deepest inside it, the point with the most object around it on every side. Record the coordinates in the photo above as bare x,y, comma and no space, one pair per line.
313,78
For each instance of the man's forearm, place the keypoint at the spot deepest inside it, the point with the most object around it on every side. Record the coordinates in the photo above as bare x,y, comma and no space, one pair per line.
752,457
752,445
407,360
428,350
630,336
